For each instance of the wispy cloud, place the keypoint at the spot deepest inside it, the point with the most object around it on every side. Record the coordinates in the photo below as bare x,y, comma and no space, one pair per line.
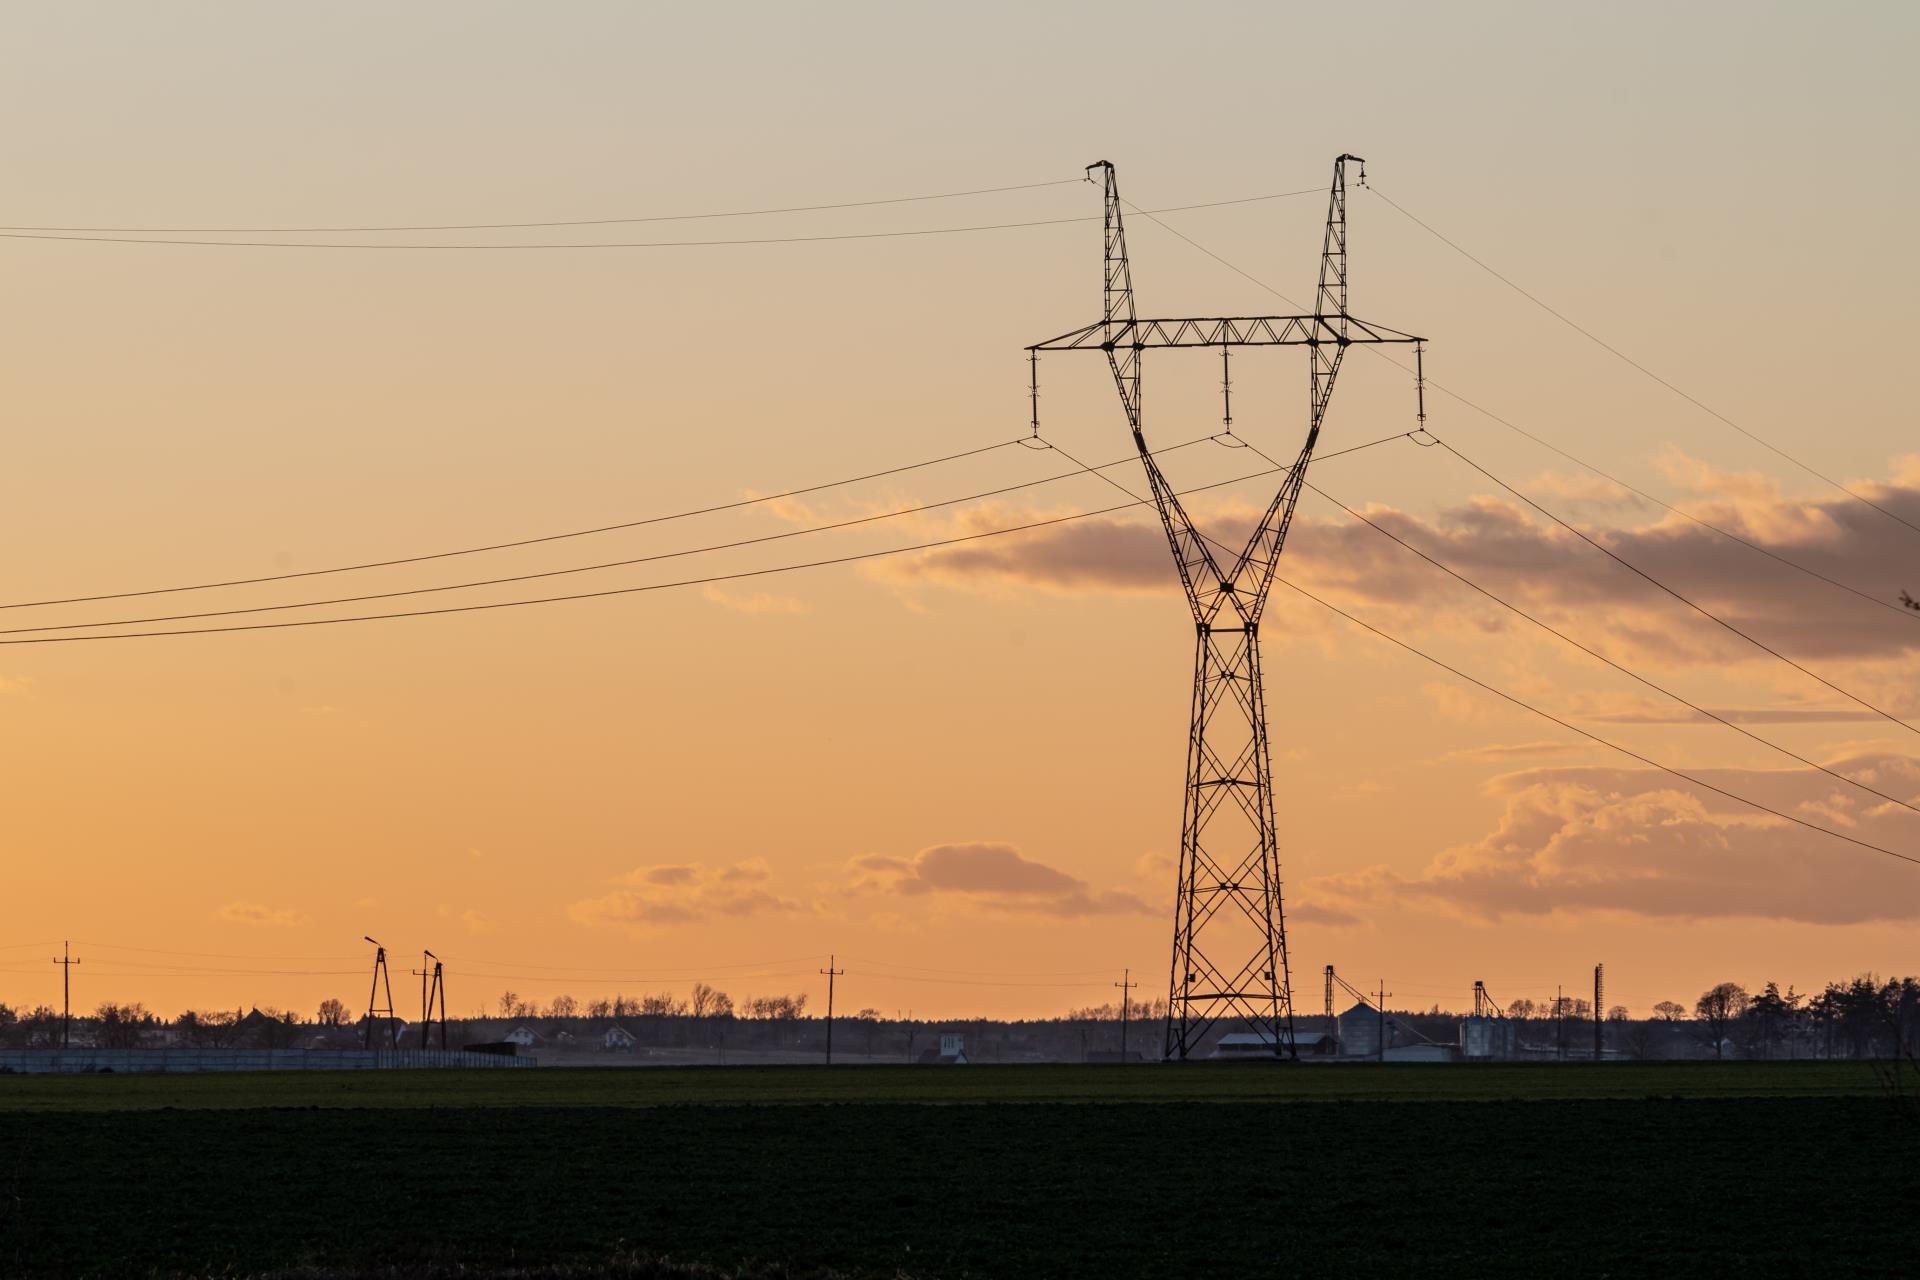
1642,842
993,875
258,914
683,893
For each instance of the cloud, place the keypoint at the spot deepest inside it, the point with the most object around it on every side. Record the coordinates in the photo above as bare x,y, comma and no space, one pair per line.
683,893
1527,559
256,913
1517,750
1638,841
993,875
1100,553
1615,709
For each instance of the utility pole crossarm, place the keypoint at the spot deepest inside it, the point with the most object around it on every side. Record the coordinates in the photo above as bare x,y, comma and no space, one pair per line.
1224,331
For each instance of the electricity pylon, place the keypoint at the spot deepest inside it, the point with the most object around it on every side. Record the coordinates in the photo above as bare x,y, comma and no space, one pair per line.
1229,930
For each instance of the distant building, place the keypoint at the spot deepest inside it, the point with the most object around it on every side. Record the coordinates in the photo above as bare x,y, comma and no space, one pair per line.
1259,1044
1426,1051
951,1053
559,1033
522,1035
618,1039
1486,1039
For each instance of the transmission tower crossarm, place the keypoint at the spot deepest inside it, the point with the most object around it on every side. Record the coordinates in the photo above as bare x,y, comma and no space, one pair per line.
1222,331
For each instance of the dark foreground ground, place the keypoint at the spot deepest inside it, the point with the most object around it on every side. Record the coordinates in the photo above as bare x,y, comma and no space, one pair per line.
1147,1171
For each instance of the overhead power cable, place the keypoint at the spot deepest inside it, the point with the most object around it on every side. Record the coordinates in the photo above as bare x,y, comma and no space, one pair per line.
570,222
644,588
585,568
1595,654
627,244
519,542
1604,345
1611,745
1485,412
1698,608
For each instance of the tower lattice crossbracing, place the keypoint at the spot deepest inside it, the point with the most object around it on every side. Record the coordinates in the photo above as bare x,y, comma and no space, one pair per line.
1229,930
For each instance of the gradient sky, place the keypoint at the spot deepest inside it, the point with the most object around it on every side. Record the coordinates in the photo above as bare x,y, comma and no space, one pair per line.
960,772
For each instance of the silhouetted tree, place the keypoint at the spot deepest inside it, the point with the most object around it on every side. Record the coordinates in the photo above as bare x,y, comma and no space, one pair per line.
1770,1015
121,1026
564,1006
1719,1008
508,1003
210,1028
1669,1011
332,1013
39,1029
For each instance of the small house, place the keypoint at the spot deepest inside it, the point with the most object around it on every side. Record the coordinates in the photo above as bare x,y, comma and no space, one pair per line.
951,1053
618,1039
522,1035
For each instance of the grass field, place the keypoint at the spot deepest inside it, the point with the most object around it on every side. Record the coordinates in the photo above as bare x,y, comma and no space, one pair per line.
1162,1171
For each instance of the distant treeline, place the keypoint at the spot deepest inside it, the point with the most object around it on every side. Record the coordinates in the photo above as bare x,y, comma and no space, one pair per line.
1864,1017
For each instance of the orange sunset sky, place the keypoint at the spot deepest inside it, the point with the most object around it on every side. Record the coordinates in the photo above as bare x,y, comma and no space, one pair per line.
957,770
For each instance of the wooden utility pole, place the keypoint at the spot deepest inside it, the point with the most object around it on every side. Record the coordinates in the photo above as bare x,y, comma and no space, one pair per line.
66,962
831,973
1381,1008
1126,985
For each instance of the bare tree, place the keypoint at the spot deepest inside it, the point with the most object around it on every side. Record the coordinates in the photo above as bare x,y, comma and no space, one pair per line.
701,1003
332,1013
508,1003
120,1026
1720,1008
1669,1011
601,1008
564,1006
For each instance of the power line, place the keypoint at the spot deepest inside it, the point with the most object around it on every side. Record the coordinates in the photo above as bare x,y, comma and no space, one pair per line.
630,244
1649,761
588,568
572,222
520,542
648,587
1700,609
1604,345
1590,652
1547,444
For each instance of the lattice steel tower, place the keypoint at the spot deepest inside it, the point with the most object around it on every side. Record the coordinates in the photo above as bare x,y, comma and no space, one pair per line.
1229,930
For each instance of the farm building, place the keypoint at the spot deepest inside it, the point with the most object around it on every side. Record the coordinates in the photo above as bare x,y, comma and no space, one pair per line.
951,1053
1484,1038
1259,1044
618,1039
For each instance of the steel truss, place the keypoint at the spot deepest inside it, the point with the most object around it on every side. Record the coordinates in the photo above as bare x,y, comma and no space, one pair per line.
1229,930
